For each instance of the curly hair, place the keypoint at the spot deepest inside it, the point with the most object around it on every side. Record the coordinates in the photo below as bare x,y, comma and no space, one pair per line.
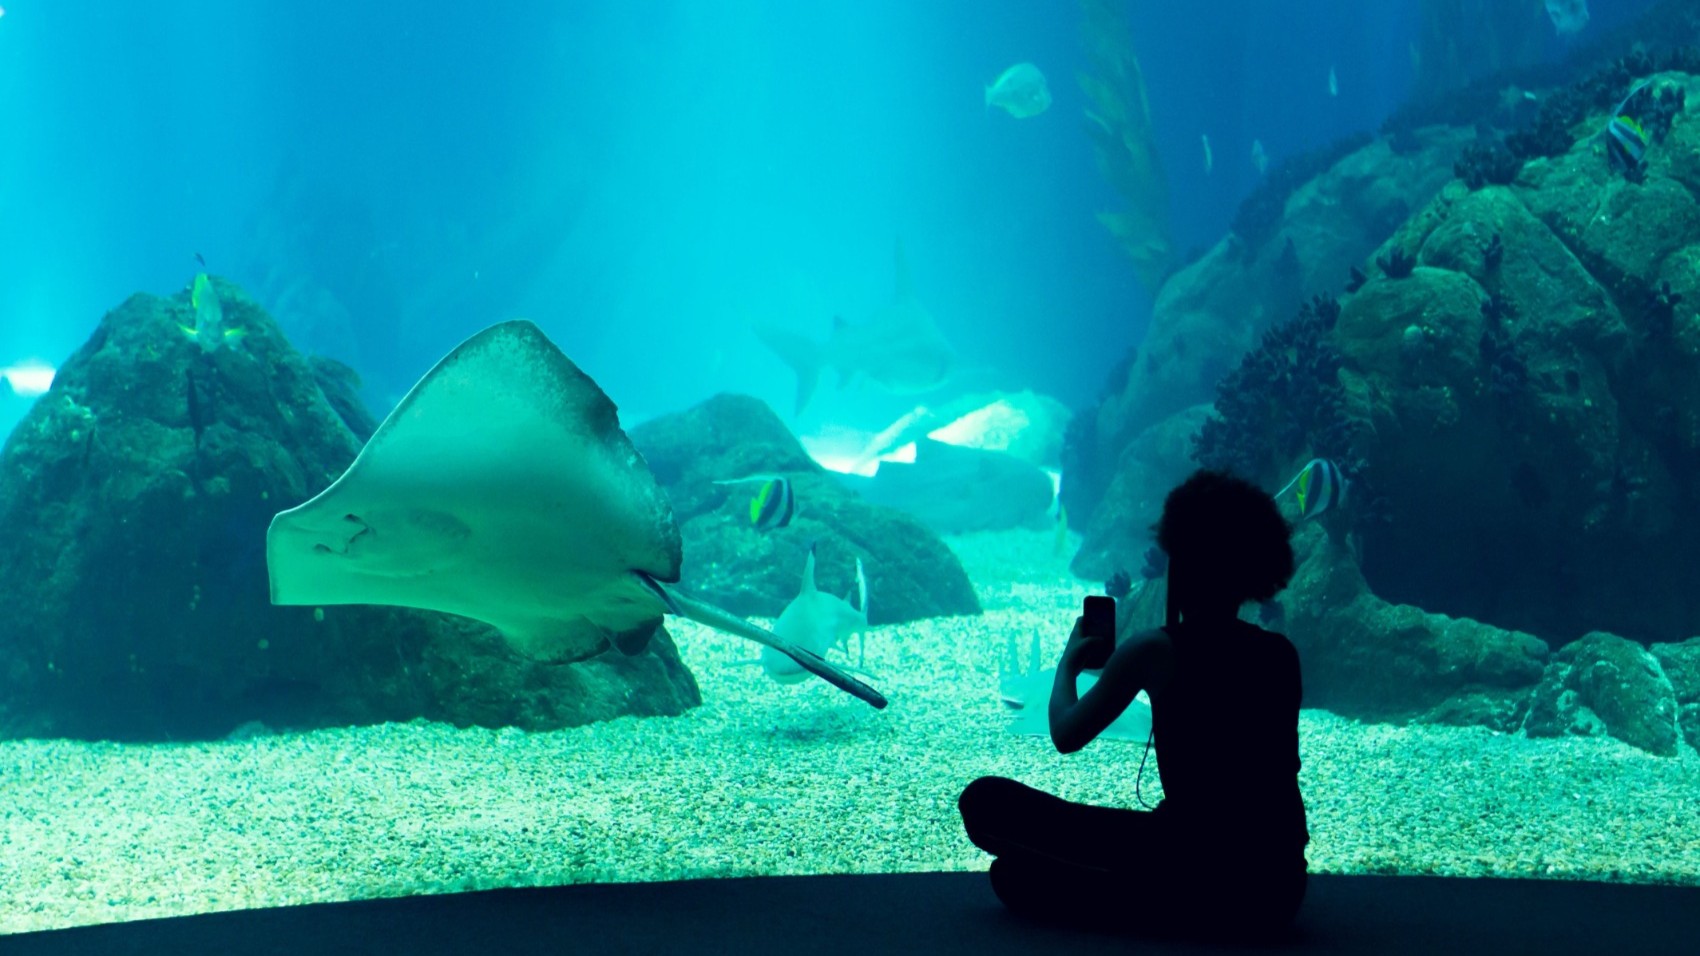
1232,528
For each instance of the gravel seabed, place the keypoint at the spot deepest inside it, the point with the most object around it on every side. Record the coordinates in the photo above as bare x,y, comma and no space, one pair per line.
767,779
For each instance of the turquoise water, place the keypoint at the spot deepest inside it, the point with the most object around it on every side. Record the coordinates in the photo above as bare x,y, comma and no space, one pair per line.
378,381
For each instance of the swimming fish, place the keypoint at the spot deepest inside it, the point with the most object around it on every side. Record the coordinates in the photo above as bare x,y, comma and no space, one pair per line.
209,329
899,349
1333,83
1020,91
818,622
1259,158
1209,161
774,503
1321,486
1626,141
503,489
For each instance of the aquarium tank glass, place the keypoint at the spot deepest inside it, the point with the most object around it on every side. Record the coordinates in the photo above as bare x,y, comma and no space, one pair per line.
454,446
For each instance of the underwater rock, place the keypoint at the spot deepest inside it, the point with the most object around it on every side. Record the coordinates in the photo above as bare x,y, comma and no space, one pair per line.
1366,658
1211,313
135,498
1681,663
1606,684
1149,467
955,490
1552,458
911,573
341,386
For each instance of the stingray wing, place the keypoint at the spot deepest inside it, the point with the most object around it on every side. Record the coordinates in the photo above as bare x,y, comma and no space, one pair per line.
501,488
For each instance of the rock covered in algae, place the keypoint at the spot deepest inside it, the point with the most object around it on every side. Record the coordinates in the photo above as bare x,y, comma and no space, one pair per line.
134,500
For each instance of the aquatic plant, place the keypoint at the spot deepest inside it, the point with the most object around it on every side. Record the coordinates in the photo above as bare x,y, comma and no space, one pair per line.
1397,264
1356,279
1285,403
1119,125
1120,584
1285,396
1487,164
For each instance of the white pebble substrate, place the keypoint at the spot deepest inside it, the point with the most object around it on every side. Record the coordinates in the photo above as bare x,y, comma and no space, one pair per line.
766,778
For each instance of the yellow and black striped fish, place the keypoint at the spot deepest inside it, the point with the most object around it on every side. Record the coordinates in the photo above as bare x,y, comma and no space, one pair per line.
774,503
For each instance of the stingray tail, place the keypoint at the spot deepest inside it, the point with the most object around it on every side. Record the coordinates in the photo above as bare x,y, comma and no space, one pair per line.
805,357
711,616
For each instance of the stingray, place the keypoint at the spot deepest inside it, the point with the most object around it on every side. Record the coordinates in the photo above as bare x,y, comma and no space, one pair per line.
1028,693
502,489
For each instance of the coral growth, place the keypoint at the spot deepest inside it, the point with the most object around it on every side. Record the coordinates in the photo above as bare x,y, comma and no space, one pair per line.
1283,399
1487,164
1397,264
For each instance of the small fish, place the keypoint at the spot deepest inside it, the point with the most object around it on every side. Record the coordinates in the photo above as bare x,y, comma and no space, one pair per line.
1020,91
209,329
1259,158
1320,486
1626,141
1209,161
818,622
1333,83
774,503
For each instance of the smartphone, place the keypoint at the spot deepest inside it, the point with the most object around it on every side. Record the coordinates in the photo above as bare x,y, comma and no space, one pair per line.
1098,622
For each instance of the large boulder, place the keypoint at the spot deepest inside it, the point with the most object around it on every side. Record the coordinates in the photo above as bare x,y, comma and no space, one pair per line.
1681,664
1604,684
134,500
1211,313
911,573
1532,398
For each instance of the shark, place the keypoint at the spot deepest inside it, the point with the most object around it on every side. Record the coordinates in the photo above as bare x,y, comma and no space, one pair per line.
502,488
899,349
817,621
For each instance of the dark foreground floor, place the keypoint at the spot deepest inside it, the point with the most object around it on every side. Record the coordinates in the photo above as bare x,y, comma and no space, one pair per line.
920,913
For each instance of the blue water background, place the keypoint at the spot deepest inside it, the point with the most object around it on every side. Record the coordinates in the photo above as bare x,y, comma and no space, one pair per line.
643,179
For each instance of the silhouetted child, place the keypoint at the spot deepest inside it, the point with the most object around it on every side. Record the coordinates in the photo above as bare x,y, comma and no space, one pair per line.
1223,851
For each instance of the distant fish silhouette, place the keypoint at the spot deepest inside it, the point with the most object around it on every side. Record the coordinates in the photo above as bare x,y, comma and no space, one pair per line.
1020,91
900,348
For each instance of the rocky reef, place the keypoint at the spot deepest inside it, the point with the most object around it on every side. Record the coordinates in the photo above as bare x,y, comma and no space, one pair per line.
1496,339
911,573
134,500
